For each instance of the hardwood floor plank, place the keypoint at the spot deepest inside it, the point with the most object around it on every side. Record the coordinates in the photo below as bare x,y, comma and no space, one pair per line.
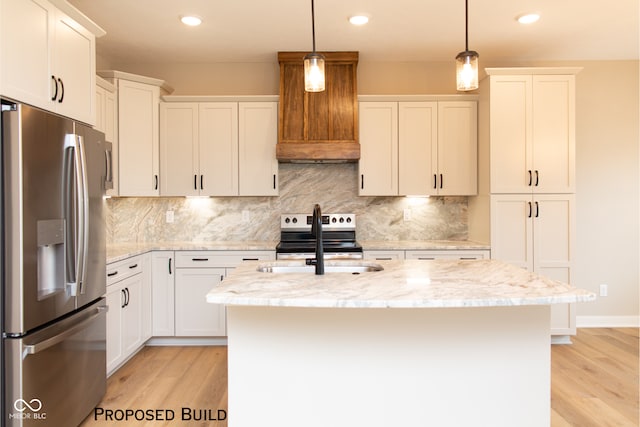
594,382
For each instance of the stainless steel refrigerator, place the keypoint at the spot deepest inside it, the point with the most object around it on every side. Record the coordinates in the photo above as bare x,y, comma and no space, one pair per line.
54,174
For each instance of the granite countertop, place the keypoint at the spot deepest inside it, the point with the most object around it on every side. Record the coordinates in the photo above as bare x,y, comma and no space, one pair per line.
120,251
402,284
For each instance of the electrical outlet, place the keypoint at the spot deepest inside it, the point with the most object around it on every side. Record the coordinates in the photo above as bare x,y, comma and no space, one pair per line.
407,215
170,217
604,290
246,216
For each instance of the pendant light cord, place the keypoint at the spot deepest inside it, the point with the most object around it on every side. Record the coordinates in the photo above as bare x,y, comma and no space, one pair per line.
313,26
466,24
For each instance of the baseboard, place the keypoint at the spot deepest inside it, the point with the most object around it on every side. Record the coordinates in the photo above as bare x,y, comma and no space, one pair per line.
186,341
608,321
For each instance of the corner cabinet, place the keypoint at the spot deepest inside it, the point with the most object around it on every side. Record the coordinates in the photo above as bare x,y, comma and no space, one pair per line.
526,206
418,147
218,146
138,145
47,59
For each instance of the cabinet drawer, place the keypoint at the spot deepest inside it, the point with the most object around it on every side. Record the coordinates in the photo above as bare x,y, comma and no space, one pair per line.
222,259
449,254
120,270
384,255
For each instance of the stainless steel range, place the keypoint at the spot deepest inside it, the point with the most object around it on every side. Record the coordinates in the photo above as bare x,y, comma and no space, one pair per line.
338,237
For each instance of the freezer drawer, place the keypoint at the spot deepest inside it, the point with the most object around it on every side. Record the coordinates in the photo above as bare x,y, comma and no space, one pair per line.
57,374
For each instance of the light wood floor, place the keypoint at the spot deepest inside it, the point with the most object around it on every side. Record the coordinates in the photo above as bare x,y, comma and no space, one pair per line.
594,382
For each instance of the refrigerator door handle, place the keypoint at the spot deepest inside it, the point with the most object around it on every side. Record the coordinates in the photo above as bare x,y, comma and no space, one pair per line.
56,339
76,209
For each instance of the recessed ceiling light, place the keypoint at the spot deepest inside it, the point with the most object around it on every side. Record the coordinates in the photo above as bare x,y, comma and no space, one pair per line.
191,20
359,19
528,18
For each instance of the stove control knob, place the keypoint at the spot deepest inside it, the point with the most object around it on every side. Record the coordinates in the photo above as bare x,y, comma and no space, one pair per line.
333,219
341,220
348,220
295,220
287,220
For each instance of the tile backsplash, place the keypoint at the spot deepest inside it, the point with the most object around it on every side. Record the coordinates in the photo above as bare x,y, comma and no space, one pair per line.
333,186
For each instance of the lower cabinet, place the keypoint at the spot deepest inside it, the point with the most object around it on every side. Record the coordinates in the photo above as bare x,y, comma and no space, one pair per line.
128,319
181,281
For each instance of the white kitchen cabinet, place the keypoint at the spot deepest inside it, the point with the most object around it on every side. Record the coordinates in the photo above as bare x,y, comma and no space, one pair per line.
414,148
194,316
138,142
199,148
47,59
537,232
125,321
163,293
107,122
532,133
257,138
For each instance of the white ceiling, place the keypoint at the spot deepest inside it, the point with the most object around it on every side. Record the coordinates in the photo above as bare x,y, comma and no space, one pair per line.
399,30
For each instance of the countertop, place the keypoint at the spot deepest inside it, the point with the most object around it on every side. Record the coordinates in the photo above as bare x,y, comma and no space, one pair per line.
120,251
402,284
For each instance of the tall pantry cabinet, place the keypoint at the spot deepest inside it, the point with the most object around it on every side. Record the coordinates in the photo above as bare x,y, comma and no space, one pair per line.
525,206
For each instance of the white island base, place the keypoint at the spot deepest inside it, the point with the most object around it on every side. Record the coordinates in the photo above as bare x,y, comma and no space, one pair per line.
400,367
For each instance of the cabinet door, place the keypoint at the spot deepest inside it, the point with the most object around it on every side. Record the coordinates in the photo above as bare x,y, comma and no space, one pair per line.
26,36
179,149
554,133
74,64
378,165
512,229
510,131
457,148
138,142
417,148
163,277
195,317
258,135
132,314
218,149
115,302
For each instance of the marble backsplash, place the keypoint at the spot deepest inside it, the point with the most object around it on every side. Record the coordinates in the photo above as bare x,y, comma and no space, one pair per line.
333,186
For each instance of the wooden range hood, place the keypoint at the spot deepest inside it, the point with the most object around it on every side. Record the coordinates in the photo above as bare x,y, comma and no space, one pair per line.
321,126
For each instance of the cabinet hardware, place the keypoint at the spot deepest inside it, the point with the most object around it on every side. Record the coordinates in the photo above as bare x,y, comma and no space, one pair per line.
383,258
170,265
202,182
530,178
221,277
199,259
128,296
426,258
115,273
55,94
537,210
537,178
62,88
362,181
155,177
441,181
468,258
435,181
133,266
530,210
195,182
274,181
250,259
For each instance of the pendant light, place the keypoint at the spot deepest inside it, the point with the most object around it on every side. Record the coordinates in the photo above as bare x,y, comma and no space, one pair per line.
313,63
467,61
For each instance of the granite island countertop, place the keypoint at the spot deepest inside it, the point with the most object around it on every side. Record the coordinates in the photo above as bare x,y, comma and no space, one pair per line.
401,284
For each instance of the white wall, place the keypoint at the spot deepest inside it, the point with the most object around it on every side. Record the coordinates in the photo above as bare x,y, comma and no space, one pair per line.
608,187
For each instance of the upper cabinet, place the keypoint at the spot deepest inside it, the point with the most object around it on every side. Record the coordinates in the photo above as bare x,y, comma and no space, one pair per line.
418,147
214,146
47,59
532,132
138,145
321,126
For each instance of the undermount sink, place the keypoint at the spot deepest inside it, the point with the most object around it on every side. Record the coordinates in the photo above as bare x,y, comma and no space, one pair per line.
331,268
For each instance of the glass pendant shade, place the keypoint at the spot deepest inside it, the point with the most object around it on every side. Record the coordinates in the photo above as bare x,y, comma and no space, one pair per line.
314,72
467,70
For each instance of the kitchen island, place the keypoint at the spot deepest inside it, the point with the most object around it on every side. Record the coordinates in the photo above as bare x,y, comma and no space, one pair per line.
420,343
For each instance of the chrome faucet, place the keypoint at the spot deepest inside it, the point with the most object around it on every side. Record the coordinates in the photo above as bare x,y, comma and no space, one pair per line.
316,231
